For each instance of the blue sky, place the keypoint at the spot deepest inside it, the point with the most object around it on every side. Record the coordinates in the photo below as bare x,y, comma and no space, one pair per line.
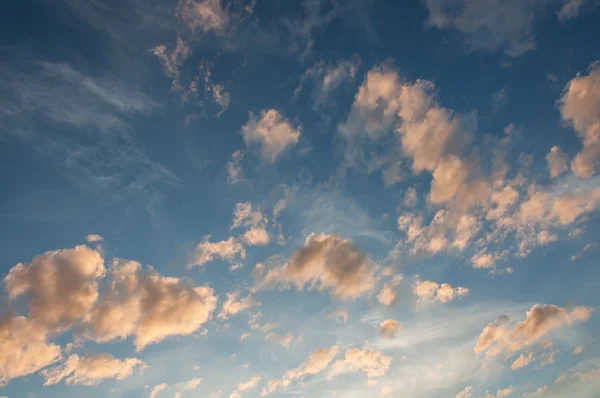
231,198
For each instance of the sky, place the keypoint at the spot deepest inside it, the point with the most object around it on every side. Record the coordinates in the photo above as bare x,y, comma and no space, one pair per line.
312,198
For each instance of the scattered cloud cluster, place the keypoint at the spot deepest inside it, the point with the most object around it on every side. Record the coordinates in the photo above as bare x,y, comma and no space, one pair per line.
271,132
433,291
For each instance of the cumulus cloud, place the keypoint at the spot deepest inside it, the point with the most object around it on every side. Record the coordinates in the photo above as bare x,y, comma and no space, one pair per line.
61,286
570,9
522,361
316,363
505,392
23,348
91,370
540,321
433,291
388,294
271,132
156,389
92,238
206,251
204,15
255,223
234,305
580,107
250,384
324,262
326,78
466,393
188,386
372,362
389,327
489,25
148,306
557,161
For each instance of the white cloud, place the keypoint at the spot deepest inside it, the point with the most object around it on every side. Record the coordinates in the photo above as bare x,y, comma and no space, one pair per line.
147,305
91,370
389,327
326,78
540,321
23,349
429,291
250,384
205,15
580,107
94,238
61,286
372,362
271,132
206,251
234,168
325,262
522,361
255,222
570,9
557,161
489,25
233,306
156,389
316,363
388,294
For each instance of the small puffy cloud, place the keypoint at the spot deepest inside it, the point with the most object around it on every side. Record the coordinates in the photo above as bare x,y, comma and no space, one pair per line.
372,362
466,393
94,238
316,363
148,306
340,314
271,132
283,340
324,262
188,386
254,221
328,78
540,320
430,291
250,384
488,25
388,294
522,361
206,251
23,349
570,9
204,15
61,286
505,392
156,389
234,305
91,370
557,161
580,107
234,167
389,327
578,350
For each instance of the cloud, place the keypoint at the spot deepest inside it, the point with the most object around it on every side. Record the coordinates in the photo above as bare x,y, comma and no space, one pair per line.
204,15
234,168
271,132
570,9
557,161
172,61
156,389
324,262
316,362
505,392
580,107
254,221
389,327
432,291
466,393
326,78
233,306
61,286
522,361
23,348
489,25
250,384
388,294
91,370
206,251
540,321
282,340
188,386
372,362
340,314
94,238
148,306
